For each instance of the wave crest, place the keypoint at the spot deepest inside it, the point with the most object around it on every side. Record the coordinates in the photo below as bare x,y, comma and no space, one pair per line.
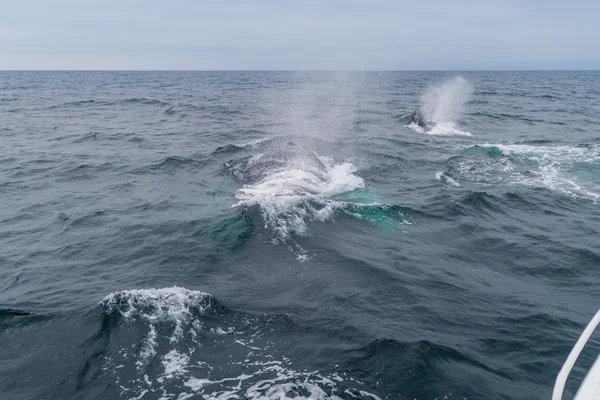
570,169
146,363
174,303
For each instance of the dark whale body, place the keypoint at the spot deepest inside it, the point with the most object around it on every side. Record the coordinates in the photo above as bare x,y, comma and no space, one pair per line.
417,118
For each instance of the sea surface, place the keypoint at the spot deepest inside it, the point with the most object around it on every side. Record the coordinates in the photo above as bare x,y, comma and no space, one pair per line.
268,235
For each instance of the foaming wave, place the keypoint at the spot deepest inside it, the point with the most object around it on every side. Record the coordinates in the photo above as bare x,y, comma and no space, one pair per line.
152,362
440,129
441,106
290,185
176,305
288,198
156,304
566,153
445,178
276,380
570,169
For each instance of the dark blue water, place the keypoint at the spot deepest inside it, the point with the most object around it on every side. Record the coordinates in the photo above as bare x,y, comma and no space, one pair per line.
266,235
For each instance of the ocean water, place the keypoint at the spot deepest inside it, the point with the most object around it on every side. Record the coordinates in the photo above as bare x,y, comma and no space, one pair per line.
268,235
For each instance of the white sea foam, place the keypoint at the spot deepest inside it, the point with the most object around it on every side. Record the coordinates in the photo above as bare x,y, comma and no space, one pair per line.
175,365
565,153
440,129
274,380
176,371
173,303
551,167
443,177
447,129
173,371
288,198
220,331
149,349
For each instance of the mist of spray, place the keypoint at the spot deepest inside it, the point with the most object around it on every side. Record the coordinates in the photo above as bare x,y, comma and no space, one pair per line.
299,183
315,105
445,102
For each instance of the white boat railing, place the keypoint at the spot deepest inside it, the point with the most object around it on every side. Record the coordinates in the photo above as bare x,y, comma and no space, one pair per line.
561,379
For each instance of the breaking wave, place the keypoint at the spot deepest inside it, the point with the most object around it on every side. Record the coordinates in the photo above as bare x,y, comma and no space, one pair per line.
569,169
160,353
290,197
441,129
292,186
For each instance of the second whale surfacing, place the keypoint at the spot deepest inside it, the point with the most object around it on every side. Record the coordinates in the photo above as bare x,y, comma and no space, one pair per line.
418,119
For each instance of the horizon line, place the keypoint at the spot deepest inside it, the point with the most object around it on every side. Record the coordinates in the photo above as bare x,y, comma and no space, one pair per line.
299,70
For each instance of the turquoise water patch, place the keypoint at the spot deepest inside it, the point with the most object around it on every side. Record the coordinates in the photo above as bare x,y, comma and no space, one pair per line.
366,204
386,217
224,227
492,151
226,233
362,196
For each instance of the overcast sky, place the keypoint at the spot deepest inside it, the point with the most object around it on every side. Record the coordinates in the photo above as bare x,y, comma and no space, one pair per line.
299,35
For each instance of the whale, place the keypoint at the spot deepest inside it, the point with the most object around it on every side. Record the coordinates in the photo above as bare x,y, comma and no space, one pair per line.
417,118
277,154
